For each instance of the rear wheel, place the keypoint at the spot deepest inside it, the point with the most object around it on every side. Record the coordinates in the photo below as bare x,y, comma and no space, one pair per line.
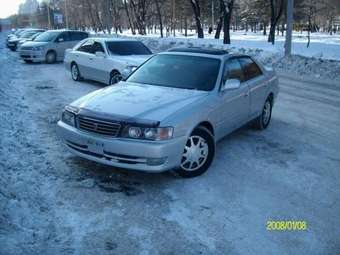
198,153
75,72
51,57
115,77
263,120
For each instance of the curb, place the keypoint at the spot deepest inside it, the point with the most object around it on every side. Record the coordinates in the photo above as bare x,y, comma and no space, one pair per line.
317,81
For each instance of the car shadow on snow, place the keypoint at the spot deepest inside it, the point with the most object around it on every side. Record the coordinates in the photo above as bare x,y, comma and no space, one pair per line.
110,179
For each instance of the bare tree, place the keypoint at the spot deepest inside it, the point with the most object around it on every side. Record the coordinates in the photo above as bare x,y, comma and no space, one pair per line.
276,10
159,16
197,13
228,9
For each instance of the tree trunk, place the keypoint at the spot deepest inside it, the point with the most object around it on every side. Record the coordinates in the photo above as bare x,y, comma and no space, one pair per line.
226,22
309,29
197,12
159,14
220,21
129,18
274,18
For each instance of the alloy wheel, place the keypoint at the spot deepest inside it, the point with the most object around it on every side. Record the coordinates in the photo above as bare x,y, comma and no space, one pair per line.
195,153
266,112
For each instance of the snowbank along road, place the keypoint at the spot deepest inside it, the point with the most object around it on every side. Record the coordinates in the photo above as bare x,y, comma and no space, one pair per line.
52,202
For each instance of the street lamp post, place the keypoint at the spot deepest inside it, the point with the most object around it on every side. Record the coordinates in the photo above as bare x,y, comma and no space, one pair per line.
66,13
289,30
48,14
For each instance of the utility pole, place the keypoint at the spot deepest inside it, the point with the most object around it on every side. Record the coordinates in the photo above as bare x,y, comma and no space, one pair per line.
48,14
289,29
173,16
212,14
66,14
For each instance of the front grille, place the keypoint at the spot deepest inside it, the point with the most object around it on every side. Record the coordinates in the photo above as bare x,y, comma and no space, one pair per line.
99,126
26,48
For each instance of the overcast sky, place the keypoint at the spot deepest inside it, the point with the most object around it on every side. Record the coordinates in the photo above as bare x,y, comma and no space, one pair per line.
9,7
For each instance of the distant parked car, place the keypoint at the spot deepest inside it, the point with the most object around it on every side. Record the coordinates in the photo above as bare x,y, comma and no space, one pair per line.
12,43
30,39
105,60
17,33
50,46
171,111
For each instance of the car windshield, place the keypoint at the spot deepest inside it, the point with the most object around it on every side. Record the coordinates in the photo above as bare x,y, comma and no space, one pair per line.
127,48
47,36
178,71
28,34
35,36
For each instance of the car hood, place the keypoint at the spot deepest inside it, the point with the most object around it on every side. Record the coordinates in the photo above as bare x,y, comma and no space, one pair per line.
35,44
131,59
133,100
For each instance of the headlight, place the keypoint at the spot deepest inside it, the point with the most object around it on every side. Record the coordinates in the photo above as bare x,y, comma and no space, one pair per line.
38,48
129,69
68,118
146,133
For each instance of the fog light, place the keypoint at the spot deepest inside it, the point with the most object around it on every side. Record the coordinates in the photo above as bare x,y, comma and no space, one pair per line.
155,161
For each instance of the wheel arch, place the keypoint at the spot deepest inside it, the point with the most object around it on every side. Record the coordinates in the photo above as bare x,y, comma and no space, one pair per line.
207,125
271,97
51,50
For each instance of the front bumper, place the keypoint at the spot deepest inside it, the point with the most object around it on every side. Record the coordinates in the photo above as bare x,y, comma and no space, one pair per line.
34,56
149,156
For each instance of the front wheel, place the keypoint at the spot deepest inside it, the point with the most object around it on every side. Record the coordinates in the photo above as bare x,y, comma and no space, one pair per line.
198,153
263,120
75,72
51,57
115,77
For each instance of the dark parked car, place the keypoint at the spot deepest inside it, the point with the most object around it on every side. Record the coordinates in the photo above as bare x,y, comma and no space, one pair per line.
12,43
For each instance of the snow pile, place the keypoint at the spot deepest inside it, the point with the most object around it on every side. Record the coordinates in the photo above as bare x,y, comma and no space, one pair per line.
296,65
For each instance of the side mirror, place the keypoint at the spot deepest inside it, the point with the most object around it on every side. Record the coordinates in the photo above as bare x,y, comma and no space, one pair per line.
231,84
100,54
60,39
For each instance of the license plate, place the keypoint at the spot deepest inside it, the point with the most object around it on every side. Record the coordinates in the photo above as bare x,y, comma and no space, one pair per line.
95,146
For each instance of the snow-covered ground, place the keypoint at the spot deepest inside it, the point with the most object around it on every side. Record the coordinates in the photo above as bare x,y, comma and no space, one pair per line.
52,202
320,61
323,45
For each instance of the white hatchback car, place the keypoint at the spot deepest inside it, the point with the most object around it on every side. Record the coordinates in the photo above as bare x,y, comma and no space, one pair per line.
105,60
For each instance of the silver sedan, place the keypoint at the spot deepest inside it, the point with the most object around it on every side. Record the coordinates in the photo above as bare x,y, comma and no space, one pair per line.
105,60
171,111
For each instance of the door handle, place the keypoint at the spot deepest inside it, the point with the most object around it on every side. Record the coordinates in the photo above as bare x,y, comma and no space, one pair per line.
90,58
77,55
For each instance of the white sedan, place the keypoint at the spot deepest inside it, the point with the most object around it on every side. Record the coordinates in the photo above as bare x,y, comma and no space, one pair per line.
105,60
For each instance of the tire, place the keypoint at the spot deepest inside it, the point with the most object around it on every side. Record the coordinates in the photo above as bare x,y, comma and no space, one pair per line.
51,57
115,77
199,163
75,74
263,120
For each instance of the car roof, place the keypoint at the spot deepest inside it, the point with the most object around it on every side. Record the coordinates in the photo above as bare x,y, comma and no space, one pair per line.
66,30
112,39
200,50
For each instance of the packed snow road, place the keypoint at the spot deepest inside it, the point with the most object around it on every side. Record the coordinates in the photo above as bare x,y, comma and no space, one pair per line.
52,202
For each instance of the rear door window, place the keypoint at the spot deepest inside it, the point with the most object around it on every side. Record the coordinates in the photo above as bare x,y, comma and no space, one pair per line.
78,36
97,47
64,36
250,69
87,47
